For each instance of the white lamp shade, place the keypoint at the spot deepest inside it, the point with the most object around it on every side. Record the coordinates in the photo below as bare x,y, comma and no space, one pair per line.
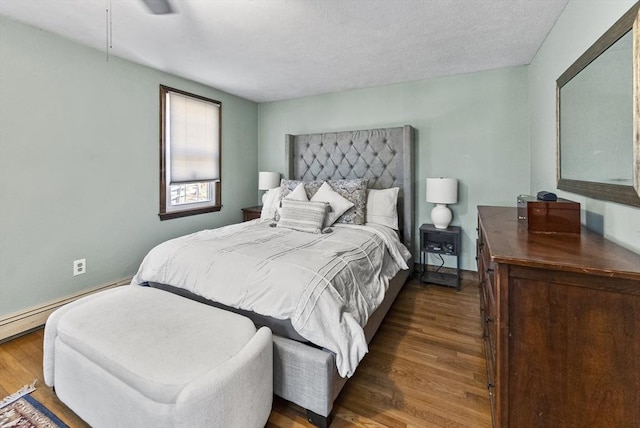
268,180
442,190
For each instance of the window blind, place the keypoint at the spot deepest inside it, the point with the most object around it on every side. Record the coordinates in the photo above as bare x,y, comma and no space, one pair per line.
193,136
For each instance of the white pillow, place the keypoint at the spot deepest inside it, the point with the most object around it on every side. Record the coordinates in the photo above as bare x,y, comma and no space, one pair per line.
298,194
339,205
382,207
304,216
271,203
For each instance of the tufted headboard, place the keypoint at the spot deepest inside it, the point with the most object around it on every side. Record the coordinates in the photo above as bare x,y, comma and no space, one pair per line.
384,156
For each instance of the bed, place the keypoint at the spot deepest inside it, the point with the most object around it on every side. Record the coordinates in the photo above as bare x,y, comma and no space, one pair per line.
305,371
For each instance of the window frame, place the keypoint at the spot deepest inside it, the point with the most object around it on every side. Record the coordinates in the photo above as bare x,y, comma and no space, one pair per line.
165,196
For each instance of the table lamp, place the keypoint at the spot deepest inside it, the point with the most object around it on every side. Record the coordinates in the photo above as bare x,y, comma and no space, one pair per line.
442,191
268,180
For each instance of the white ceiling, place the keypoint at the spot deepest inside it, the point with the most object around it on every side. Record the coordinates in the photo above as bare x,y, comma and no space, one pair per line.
267,50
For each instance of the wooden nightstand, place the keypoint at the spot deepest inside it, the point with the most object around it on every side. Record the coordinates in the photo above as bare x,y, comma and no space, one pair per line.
251,213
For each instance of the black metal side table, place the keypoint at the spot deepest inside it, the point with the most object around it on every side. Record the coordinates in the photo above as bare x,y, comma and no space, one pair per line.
442,242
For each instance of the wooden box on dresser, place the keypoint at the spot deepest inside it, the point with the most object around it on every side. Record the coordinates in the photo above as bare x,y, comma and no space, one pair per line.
561,317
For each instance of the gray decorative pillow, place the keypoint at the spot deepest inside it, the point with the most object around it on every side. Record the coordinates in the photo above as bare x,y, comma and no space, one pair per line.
311,187
354,190
302,216
338,204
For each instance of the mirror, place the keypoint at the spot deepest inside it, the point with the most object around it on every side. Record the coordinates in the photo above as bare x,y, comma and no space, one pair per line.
598,117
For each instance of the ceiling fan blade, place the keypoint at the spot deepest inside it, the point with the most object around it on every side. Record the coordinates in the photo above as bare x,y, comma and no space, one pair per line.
159,7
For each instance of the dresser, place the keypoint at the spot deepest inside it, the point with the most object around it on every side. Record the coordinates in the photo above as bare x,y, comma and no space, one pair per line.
561,326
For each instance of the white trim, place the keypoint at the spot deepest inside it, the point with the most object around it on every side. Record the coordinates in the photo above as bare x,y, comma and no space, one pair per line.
26,389
28,319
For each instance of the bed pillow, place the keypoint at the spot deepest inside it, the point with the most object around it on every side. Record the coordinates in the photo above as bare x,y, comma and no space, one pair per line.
338,204
297,194
311,187
302,216
271,203
382,207
354,190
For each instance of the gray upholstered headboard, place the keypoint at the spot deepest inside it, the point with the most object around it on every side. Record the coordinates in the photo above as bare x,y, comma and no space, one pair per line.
384,156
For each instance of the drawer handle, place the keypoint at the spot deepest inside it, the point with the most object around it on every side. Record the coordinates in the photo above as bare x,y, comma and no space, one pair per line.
489,270
521,217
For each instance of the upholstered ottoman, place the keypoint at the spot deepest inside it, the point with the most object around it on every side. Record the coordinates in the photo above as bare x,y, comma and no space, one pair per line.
141,357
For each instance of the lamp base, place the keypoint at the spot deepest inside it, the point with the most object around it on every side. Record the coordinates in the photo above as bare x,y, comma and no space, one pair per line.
441,216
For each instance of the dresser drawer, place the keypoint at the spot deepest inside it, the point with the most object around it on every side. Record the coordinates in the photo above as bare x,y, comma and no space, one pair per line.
490,362
490,321
491,327
479,258
486,278
486,260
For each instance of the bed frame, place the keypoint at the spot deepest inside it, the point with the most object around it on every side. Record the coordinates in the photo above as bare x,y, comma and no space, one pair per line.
303,374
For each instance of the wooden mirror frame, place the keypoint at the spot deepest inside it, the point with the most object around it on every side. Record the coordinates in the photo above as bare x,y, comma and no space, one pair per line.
628,195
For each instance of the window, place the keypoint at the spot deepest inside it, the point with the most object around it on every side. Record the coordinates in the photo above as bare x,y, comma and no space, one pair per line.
190,143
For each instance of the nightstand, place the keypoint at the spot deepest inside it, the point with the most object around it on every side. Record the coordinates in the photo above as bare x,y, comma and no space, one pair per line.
251,213
442,242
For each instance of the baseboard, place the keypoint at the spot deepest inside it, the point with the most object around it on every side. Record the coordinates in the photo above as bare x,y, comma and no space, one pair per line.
466,275
469,275
25,321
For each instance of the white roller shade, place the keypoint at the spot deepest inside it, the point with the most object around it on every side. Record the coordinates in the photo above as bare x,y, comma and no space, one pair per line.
193,135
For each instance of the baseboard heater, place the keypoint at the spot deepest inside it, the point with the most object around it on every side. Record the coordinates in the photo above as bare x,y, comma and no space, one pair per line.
29,319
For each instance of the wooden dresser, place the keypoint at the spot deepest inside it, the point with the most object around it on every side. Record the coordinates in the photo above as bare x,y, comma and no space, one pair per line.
561,317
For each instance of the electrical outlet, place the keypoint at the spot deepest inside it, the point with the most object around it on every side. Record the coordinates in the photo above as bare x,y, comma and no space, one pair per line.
79,267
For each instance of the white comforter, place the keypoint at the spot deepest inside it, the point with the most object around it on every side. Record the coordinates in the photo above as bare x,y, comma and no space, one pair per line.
326,284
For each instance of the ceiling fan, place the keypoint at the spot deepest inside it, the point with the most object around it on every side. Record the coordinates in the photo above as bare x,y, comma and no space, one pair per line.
159,7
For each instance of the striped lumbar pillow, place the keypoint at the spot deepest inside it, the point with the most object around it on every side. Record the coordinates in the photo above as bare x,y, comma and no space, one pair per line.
302,216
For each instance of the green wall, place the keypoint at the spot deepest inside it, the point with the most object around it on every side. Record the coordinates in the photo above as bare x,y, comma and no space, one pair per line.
579,26
79,150
474,127
79,165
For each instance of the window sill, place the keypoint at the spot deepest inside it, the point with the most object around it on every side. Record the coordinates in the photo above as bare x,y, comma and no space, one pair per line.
185,213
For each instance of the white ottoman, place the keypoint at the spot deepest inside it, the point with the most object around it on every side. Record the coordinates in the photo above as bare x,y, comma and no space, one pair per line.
139,357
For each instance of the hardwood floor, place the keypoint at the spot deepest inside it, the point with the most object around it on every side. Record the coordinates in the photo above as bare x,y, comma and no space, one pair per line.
425,368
